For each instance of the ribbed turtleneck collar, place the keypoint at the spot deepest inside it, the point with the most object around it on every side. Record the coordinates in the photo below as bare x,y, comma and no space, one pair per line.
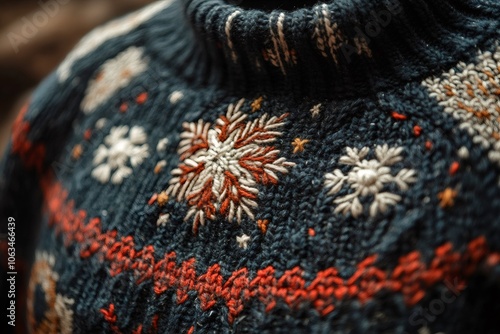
338,48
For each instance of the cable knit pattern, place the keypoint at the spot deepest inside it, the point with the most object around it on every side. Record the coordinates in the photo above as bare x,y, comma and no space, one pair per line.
202,166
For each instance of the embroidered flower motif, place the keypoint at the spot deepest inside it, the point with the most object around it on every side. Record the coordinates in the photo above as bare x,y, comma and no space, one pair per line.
471,94
113,75
113,157
368,178
57,313
113,29
222,165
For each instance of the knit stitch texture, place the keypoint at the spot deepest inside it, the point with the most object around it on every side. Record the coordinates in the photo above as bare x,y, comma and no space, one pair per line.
204,167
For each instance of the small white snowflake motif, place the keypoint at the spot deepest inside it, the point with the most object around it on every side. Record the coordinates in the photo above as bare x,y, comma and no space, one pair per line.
112,76
119,150
368,178
222,165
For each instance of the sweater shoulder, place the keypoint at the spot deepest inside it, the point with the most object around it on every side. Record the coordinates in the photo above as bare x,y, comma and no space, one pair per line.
108,40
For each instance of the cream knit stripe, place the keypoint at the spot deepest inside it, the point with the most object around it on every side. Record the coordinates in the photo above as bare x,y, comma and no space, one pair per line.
229,23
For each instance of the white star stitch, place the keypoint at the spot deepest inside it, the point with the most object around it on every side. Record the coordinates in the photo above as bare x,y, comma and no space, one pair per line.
243,241
315,111
463,153
163,219
162,145
101,123
176,96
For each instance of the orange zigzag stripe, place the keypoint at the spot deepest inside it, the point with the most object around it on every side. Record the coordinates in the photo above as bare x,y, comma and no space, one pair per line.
411,277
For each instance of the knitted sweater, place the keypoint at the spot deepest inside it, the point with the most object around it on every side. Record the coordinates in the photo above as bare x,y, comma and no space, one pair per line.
206,167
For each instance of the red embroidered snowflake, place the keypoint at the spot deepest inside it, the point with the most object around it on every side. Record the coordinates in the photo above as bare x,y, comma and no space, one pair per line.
222,165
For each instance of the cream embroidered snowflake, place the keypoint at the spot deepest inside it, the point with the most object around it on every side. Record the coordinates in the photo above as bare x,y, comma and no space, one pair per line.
368,178
58,314
222,165
112,76
111,160
470,93
113,29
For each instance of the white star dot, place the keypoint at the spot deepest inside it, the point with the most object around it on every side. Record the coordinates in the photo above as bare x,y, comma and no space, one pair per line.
176,96
163,220
316,110
162,145
243,241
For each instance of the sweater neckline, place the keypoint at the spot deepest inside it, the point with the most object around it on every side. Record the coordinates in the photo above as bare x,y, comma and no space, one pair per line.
341,48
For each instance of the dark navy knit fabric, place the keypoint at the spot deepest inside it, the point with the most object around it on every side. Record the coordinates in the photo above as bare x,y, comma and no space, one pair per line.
210,166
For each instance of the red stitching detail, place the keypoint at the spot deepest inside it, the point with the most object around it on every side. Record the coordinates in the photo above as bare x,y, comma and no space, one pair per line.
397,116
141,98
110,316
123,107
454,167
417,130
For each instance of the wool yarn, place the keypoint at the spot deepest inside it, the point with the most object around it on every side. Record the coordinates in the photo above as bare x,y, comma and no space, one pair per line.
204,167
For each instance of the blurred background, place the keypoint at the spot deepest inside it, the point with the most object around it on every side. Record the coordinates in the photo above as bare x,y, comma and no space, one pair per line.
31,46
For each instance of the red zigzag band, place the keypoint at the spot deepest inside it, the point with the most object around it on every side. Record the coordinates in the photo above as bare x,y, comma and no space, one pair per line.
411,277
